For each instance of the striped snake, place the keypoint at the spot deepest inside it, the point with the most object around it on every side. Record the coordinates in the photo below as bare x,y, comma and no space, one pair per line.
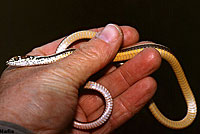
123,55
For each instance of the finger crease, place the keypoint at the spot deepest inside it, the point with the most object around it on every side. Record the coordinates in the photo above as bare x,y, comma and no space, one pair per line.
123,104
123,77
84,113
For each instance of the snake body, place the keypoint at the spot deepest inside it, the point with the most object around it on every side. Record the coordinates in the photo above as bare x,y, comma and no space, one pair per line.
123,55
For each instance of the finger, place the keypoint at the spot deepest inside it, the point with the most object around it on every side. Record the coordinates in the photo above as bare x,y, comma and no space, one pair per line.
122,78
131,36
127,104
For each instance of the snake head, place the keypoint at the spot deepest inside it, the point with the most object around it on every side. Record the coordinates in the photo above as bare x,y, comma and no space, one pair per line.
13,60
19,60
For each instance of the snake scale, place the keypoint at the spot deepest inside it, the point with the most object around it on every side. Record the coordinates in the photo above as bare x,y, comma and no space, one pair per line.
123,55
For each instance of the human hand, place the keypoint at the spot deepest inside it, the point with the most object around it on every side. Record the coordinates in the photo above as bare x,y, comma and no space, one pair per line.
44,98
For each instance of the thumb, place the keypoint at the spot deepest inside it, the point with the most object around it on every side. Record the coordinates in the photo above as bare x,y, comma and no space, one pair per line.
91,56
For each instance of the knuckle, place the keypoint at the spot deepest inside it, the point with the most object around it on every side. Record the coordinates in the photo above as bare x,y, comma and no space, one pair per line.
90,52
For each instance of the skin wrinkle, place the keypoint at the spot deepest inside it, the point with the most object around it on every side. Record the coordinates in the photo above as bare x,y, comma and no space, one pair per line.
36,106
82,113
70,95
93,99
57,88
127,112
55,78
67,74
74,81
91,55
59,74
62,82
121,73
120,79
94,53
94,116
123,111
126,105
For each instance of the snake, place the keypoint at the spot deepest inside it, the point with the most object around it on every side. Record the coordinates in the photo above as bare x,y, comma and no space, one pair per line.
123,55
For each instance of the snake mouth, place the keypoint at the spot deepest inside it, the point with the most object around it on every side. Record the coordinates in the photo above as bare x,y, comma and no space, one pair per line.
7,62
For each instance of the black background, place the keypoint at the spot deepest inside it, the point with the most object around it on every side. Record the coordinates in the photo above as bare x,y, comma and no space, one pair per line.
26,24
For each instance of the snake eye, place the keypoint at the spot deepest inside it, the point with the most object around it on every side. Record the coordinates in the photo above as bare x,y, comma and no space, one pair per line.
23,57
26,57
15,58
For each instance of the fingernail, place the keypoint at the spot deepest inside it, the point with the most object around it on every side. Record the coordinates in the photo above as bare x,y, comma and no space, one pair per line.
110,33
